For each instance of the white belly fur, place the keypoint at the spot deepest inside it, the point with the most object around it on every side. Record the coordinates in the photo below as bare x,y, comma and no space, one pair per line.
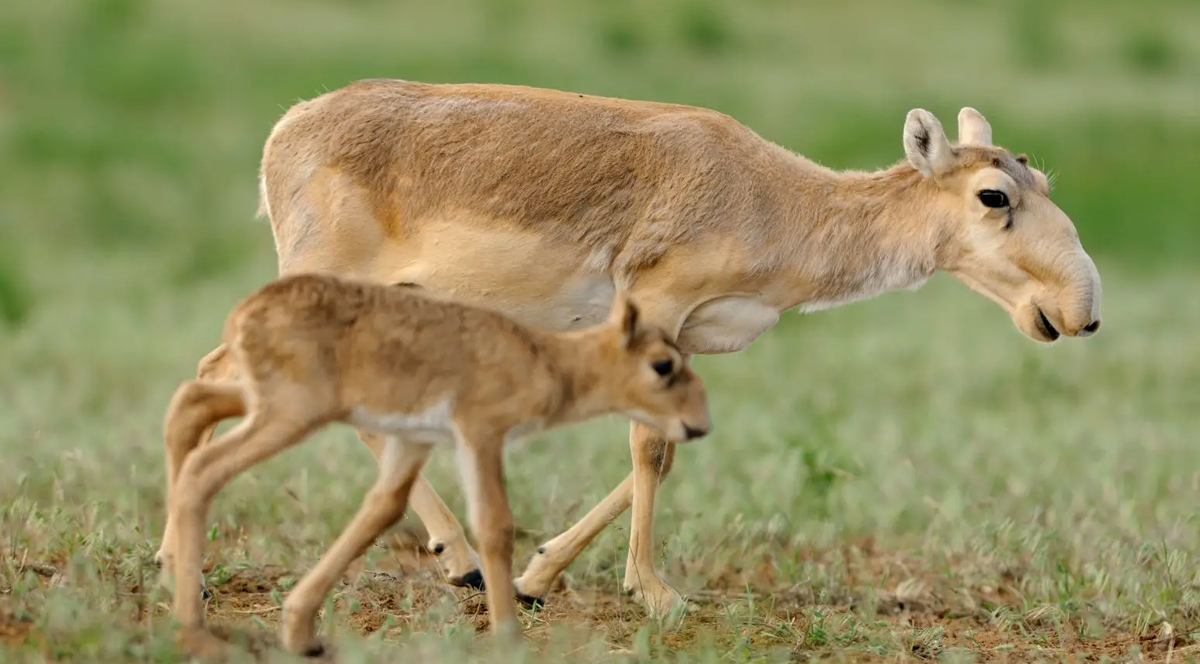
433,426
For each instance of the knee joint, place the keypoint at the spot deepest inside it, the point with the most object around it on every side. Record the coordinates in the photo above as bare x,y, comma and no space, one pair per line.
497,536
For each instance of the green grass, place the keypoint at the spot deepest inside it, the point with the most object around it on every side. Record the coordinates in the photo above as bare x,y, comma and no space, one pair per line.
906,477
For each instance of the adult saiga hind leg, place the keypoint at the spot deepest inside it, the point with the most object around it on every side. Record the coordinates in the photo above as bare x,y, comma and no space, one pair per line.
345,240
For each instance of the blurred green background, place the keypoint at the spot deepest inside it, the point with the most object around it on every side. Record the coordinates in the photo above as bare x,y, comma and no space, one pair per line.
130,130
130,134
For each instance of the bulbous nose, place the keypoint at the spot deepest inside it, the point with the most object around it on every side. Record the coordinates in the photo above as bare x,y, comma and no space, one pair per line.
1090,329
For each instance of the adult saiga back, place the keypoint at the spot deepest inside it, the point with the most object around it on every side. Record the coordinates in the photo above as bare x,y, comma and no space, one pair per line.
543,203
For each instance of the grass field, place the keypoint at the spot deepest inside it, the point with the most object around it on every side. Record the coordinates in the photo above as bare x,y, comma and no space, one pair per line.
902,478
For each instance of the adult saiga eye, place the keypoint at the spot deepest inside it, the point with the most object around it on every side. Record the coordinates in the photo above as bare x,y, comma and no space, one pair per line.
663,367
993,198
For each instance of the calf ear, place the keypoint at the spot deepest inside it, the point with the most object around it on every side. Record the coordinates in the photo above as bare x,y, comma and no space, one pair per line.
925,143
973,128
624,317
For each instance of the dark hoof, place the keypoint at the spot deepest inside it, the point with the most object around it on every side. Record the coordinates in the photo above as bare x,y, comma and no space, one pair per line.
205,594
530,602
317,650
472,579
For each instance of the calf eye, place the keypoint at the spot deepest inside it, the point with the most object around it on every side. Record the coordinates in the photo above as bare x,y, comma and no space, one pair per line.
663,367
993,198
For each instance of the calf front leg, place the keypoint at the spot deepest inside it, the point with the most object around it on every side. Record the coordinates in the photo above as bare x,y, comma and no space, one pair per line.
481,464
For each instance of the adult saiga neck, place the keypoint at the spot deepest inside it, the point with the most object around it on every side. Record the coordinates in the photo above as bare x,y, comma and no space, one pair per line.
851,235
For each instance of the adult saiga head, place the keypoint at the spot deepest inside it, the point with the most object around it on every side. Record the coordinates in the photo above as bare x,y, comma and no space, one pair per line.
1001,234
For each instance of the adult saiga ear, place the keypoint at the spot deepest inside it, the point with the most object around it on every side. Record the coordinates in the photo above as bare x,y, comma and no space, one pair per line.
925,143
624,317
973,128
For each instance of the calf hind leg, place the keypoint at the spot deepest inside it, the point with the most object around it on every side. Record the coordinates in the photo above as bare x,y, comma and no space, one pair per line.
399,466
195,410
446,537
215,367
203,474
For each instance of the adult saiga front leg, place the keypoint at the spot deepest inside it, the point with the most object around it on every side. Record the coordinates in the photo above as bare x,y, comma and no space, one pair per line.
652,459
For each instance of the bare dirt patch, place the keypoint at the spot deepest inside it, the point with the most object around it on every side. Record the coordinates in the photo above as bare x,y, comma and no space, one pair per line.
876,604
15,629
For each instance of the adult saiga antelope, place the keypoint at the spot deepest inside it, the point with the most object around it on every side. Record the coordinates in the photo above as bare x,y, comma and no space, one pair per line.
541,203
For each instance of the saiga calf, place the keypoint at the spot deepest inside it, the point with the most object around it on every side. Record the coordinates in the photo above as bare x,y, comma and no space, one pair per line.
311,350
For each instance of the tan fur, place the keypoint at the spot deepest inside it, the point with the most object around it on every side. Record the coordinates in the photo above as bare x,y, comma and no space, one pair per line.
415,371
542,203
